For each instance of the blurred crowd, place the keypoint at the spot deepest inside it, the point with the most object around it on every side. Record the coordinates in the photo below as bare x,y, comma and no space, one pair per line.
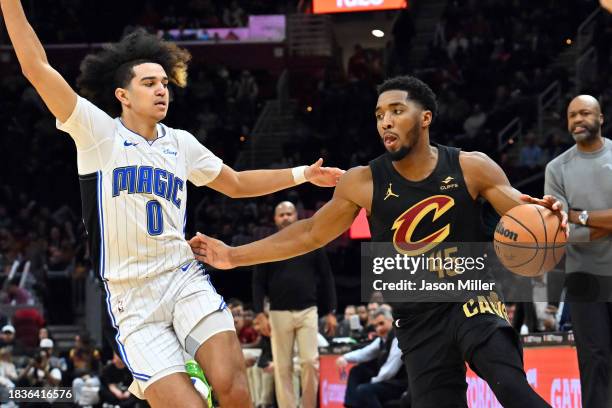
356,328
80,369
74,21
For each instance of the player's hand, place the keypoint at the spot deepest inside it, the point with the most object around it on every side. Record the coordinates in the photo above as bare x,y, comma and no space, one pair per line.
341,362
262,324
211,251
323,176
553,204
607,4
330,324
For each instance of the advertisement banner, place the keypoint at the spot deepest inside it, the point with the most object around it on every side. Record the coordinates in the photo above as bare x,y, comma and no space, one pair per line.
332,382
346,6
551,371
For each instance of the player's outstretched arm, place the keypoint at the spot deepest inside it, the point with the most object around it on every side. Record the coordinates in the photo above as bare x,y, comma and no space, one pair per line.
301,237
59,97
485,178
254,183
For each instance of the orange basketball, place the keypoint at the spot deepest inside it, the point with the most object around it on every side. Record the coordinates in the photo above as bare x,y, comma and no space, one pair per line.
529,240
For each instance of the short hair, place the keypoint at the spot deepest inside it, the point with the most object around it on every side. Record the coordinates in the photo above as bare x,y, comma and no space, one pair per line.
235,302
113,67
386,313
418,91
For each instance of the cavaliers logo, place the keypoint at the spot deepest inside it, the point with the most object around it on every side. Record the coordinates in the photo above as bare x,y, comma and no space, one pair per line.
405,224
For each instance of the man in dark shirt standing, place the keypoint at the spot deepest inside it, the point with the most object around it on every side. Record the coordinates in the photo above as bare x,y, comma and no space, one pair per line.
291,286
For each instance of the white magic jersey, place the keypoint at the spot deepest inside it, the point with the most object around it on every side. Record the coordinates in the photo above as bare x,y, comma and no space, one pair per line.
134,193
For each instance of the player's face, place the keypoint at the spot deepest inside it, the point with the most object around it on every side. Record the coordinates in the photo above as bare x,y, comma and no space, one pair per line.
148,91
584,120
399,122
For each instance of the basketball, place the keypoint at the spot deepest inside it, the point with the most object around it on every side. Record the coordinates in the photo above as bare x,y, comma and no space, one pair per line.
529,241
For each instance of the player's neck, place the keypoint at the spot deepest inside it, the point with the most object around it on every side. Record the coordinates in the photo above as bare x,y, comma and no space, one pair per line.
144,128
590,146
420,162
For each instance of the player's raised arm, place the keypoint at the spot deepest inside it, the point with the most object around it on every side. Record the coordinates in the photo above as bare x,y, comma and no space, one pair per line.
301,237
59,97
254,183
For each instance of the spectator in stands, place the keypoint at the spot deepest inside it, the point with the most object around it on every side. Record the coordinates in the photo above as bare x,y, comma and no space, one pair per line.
531,154
84,365
54,361
261,374
247,92
18,295
84,359
8,372
7,337
379,375
43,333
546,316
115,380
39,373
60,247
246,333
474,122
459,44
344,328
234,15
362,312
27,322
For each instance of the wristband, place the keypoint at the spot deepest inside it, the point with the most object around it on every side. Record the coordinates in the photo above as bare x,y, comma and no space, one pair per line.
299,174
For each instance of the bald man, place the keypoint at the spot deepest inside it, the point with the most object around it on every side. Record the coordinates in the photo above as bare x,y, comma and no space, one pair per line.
581,178
292,286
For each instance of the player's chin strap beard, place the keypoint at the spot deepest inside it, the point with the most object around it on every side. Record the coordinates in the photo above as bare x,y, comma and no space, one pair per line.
399,154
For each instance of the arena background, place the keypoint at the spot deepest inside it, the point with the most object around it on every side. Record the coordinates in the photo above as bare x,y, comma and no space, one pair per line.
274,85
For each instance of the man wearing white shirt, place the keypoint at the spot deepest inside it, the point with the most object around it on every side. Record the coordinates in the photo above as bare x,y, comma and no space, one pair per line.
379,375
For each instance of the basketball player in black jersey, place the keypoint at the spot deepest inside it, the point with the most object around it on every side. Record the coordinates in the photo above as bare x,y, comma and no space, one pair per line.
436,338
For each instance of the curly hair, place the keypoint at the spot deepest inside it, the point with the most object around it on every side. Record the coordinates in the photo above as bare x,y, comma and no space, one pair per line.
418,91
113,67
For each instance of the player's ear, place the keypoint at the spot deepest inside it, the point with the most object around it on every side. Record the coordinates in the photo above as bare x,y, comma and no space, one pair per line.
122,95
426,118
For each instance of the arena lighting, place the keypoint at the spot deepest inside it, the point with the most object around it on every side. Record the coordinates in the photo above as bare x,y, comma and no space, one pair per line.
378,33
348,6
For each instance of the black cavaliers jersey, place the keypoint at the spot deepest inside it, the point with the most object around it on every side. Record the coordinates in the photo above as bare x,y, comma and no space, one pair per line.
418,216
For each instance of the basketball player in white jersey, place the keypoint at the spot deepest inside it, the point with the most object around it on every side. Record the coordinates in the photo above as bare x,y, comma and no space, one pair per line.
133,172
